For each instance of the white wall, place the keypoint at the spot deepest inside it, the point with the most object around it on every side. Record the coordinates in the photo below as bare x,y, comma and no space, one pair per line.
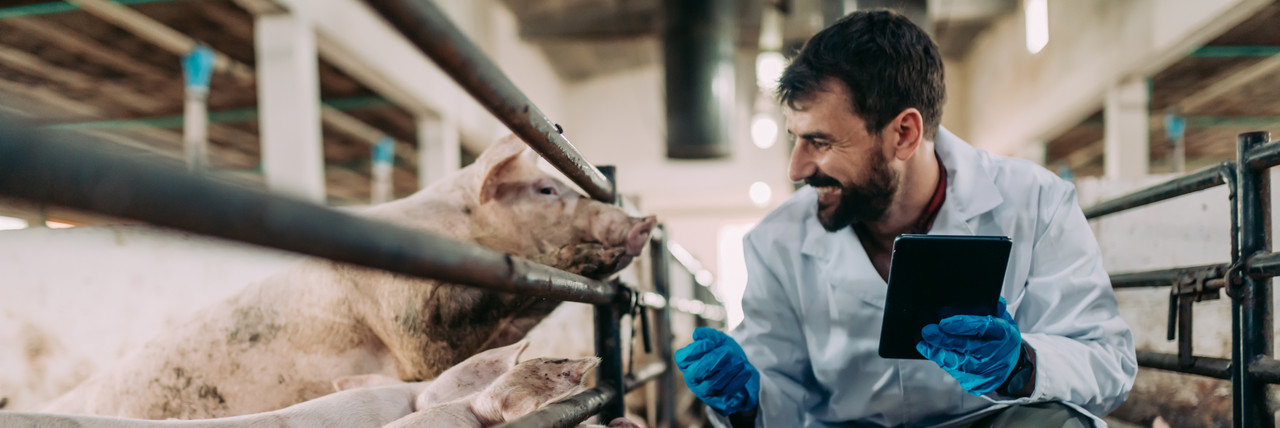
1017,97
77,300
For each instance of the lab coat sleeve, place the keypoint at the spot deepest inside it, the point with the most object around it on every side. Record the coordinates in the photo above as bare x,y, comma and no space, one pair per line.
772,338
1069,315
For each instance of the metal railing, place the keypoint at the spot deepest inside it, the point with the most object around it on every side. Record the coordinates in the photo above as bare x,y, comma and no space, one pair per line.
1246,278
76,172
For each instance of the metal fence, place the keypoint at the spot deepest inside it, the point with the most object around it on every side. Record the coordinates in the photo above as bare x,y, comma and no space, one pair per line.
76,172
1246,278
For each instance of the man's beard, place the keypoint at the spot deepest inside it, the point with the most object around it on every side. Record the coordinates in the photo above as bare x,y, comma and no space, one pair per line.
860,202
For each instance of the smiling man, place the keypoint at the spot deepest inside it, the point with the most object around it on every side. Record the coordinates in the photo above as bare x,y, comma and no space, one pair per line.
863,100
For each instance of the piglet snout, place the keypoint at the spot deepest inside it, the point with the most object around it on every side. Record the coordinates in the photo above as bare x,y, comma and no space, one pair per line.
638,235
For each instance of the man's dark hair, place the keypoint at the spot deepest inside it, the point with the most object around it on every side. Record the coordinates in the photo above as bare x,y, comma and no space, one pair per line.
888,64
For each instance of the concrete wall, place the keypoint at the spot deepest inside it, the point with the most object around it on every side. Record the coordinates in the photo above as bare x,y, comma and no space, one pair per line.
1017,97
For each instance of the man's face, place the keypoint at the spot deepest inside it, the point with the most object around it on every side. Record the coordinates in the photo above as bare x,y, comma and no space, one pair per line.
836,155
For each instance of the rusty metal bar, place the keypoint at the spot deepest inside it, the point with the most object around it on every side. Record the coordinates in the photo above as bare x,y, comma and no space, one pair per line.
1264,265
567,413
1219,368
76,172
1251,300
646,374
1266,370
427,27
1160,277
665,412
1263,156
1200,180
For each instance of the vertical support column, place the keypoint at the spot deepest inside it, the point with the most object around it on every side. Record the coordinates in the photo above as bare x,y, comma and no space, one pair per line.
384,154
608,341
666,396
197,68
439,149
1251,301
1127,129
289,107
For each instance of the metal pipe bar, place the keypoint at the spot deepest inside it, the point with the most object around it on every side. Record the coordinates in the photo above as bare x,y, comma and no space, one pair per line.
427,27
1251,300
1264,265
646,374
1265,370
1219,368
608,337
1263,156
697,308
567,413
73,171
1200,180
665,412
1160,277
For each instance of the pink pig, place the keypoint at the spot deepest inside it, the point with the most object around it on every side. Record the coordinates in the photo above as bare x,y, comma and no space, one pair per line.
285,339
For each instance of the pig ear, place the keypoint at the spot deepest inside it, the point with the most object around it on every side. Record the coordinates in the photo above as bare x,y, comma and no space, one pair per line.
362,381
496,162
513,406
518,348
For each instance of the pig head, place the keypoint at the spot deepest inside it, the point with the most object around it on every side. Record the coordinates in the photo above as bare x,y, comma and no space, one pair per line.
529,386
504,202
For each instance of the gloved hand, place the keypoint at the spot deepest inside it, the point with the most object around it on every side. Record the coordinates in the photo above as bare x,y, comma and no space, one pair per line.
979,351
717,371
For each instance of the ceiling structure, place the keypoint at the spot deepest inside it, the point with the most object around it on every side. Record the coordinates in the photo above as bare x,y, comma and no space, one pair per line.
585,38
1229,86
70,70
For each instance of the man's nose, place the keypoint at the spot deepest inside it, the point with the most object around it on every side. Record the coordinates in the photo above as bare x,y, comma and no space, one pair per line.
802,165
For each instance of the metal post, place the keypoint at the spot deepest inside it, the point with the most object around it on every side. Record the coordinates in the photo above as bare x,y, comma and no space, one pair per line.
609,373
666,412
1251,306
197,68
384,153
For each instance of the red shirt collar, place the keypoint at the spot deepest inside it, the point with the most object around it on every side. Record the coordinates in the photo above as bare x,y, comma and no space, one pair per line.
935,205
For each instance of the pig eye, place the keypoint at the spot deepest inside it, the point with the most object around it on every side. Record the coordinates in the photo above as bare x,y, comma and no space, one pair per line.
547,190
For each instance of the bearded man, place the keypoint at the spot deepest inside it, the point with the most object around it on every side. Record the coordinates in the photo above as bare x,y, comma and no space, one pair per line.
863,100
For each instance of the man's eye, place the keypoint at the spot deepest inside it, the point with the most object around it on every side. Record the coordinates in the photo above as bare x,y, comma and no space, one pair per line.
547,191
820,145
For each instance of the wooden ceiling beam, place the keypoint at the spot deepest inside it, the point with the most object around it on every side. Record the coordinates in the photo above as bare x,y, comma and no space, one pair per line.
36,66
1226,83
72,41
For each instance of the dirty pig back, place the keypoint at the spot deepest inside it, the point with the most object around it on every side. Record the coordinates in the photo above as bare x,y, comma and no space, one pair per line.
935,276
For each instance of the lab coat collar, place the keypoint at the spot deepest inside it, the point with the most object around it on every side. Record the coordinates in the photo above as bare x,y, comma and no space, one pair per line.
970,193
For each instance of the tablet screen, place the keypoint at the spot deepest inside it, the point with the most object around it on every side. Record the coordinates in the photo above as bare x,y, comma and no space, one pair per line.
932,277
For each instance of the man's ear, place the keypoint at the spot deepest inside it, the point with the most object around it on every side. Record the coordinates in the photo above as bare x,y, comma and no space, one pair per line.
905,133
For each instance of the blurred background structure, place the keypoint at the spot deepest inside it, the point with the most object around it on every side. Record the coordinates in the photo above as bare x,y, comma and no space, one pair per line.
323,100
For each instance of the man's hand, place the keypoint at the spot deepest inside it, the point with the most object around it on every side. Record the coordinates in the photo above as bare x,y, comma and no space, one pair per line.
979,351
717,371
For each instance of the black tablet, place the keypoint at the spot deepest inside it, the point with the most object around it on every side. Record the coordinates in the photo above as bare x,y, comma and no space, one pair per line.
932,277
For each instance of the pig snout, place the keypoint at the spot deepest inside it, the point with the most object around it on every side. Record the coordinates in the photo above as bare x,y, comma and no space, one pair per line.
637,236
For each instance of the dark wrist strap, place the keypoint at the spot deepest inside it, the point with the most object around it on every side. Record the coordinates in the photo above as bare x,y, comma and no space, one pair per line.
1021,381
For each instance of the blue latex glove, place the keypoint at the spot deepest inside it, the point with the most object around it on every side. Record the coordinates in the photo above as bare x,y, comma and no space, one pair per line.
717,371
979,351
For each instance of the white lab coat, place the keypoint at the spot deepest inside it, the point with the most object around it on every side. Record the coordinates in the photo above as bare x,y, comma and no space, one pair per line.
813,306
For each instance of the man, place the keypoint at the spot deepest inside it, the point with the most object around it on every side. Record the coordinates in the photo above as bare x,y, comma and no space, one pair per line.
863,99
